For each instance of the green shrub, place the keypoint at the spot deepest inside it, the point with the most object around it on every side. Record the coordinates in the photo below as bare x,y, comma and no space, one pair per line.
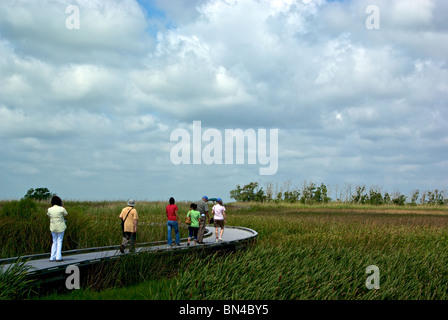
25,208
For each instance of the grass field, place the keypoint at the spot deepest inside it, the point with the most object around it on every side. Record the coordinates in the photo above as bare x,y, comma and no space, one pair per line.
302,252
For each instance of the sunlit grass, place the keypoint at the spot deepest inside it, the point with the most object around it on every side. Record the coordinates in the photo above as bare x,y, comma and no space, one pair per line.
301,253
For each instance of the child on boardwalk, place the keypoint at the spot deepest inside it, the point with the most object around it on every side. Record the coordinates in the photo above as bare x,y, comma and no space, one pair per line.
193,228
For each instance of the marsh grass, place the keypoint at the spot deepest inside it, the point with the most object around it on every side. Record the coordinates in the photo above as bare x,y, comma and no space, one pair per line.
14,284
301,253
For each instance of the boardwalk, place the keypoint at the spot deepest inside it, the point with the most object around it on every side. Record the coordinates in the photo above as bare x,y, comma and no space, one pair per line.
40,264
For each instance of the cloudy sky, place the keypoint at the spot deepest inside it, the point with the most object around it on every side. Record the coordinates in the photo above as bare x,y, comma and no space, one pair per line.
91,92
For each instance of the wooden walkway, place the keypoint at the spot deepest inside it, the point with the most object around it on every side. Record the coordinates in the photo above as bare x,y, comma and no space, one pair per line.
39,265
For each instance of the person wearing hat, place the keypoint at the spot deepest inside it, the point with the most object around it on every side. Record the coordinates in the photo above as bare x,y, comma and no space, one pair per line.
203,210
219,218
129,216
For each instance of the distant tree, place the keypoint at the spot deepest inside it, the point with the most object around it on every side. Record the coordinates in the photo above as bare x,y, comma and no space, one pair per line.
321,194
399,199
279,197
260,196
269,191
249,192
308,193
360,196
39,194
236,193
414,197
311,193
291,196
435,197
387,199
423,198
375,197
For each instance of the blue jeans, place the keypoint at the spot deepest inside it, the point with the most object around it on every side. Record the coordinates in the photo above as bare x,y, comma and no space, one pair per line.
173,224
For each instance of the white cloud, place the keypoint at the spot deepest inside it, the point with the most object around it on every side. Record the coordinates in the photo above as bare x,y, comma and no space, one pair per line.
74,82
99,103
412,14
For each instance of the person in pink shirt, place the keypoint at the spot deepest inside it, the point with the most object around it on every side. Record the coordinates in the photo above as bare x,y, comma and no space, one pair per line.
219,218
173,222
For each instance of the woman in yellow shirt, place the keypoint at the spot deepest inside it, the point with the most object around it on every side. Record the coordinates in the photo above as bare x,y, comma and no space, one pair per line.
57,214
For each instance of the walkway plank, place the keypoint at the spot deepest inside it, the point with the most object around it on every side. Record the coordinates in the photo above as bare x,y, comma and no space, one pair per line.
231,235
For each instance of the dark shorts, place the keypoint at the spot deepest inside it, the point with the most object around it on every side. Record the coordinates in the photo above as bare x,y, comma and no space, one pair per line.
219,224
193,233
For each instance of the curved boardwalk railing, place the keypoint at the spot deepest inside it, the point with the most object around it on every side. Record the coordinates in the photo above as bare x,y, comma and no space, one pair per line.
234,238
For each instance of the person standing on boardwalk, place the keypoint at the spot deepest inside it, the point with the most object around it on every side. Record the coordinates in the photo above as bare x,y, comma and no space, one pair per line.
203,210
219,218
129,216
193,228
173,222
57,214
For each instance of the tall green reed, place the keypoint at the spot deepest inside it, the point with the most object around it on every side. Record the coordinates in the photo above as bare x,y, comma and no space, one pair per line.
299,254
14,283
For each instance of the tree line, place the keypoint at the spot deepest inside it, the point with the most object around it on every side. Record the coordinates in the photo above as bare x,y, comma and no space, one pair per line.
312,193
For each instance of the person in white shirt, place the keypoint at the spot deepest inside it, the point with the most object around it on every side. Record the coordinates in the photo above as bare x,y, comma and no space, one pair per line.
219,218
57,214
